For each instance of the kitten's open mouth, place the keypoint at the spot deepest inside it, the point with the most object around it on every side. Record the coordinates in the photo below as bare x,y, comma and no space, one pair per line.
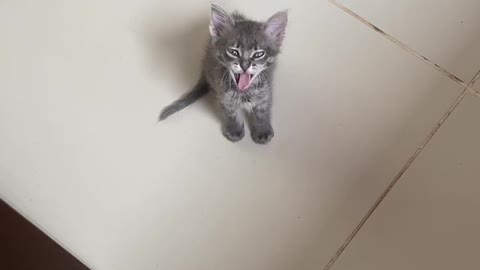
243,81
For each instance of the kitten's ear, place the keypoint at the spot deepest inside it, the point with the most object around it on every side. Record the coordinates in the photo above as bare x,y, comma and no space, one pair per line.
220,21
275,27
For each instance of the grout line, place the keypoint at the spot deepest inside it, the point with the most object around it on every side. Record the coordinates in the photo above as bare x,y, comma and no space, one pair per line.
467,88
475,92
472,83
406,48
400,174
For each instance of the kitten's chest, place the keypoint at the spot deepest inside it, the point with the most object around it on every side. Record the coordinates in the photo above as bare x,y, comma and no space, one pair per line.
245,98
249,98
237,99
247,103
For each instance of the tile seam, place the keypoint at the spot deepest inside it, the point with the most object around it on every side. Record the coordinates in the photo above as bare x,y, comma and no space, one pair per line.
406,48
466,89
399,175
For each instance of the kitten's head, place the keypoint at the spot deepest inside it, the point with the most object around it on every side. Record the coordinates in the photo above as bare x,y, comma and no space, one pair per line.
245,47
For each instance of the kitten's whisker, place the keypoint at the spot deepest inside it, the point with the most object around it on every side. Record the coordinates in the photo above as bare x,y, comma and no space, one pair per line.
223,77
261,78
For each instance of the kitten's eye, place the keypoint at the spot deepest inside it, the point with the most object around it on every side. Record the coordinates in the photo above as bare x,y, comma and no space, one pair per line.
233,52
258,55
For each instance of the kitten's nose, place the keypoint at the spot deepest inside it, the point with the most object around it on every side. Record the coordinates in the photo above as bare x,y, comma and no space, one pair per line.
245,66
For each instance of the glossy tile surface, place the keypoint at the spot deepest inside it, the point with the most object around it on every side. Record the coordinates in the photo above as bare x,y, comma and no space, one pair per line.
429,221
81,85
444,31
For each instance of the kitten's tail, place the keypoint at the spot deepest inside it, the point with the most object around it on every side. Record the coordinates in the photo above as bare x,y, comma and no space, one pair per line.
198,91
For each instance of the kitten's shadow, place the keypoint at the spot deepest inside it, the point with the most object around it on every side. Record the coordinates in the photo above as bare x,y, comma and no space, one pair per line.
177,51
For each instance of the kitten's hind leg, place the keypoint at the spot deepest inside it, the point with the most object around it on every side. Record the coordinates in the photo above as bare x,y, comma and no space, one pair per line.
262,131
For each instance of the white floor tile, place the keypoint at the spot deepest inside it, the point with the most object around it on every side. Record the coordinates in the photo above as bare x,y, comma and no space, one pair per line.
430,219
81,155
445,31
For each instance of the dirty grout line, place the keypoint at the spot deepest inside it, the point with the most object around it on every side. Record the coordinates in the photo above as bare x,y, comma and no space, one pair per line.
467,88
475,79
401,173
406,48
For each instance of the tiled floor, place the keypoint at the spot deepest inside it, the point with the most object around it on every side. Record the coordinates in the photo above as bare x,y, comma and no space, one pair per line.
430,220
82,83
445,31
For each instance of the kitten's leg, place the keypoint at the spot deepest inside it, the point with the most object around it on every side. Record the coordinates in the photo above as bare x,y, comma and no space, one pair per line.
232,127
262,131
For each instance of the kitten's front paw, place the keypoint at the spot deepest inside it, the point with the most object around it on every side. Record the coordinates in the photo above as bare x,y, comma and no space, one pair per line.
233,133
262,135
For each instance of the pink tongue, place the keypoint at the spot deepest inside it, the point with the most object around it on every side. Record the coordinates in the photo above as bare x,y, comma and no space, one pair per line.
244,81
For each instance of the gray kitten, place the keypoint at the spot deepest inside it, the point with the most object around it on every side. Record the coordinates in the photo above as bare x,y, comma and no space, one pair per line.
238,67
